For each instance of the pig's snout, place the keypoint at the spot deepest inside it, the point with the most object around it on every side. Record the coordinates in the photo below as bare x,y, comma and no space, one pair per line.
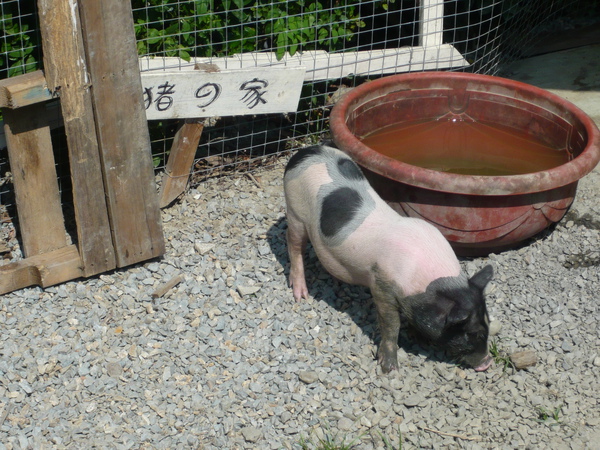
476,361
484,365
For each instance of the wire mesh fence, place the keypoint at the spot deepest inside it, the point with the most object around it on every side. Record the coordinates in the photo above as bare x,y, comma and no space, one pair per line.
342,43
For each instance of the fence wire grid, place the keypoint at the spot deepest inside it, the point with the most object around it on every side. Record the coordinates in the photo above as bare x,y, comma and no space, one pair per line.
475,35
182,31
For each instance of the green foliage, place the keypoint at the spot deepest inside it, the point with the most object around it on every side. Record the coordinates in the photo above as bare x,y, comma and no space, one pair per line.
18,43
225,27
500,358
330,442
388,443
333,441
205,28
549,417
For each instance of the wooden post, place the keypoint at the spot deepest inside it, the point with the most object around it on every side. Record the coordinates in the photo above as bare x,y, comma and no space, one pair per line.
122,130
431,23
66,76
181,158
34,176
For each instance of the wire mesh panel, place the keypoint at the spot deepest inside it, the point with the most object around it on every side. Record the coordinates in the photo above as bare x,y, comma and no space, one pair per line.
341,43
20,46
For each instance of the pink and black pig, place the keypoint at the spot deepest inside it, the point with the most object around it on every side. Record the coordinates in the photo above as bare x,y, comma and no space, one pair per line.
408,265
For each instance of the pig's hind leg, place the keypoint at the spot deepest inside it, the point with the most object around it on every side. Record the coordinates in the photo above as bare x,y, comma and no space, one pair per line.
297,237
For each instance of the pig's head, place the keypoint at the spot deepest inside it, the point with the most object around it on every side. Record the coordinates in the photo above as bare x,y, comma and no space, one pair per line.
454,317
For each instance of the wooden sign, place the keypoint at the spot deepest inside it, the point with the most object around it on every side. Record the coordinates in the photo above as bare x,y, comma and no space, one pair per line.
321,65
194,94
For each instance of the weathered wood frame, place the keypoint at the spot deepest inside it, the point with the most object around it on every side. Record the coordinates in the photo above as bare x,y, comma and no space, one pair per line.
91,64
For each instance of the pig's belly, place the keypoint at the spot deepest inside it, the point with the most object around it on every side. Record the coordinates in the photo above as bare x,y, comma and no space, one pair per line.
345,262
352,261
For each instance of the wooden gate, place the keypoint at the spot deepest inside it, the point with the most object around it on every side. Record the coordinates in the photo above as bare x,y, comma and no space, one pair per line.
91,64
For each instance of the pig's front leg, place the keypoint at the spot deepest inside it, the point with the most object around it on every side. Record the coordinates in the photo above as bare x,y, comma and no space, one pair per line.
297,238
388,316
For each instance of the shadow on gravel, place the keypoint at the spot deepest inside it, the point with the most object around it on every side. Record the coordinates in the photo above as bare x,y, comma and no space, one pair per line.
352,300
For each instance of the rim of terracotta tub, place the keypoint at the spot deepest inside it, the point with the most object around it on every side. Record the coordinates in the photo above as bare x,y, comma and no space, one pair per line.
553,178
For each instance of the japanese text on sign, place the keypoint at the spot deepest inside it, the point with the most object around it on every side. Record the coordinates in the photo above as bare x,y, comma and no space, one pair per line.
237,92
206,94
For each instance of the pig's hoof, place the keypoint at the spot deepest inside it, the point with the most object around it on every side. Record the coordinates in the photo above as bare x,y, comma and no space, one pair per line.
387,367
388,361
300,292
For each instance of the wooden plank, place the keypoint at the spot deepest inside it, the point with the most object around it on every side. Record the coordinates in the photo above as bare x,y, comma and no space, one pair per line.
431,25
181,158
174,95
318,65
122,131
321,65
66,73
54,120
43,270
34,176
166,287
24,90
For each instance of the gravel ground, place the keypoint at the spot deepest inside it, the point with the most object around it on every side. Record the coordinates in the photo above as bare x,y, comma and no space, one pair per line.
227,359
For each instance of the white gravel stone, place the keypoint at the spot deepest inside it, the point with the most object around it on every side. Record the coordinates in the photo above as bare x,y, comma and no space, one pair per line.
495,327
251,434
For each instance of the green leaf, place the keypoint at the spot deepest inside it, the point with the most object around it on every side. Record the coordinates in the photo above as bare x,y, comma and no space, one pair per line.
322,35
185,26
202,7
183,54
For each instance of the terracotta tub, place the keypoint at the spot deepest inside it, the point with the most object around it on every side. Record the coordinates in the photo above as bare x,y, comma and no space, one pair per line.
478,214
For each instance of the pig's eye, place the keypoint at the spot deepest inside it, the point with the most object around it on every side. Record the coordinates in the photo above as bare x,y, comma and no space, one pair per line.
472,336
476,335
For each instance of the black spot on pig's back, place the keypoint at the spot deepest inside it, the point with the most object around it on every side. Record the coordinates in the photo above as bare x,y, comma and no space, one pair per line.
338,209
349,169
302,155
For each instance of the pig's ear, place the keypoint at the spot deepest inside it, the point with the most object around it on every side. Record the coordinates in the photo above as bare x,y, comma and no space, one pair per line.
457,315
482,278
445,313
429,313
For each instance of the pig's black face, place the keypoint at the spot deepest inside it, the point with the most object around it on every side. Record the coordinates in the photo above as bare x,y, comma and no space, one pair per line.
468,340
456,319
